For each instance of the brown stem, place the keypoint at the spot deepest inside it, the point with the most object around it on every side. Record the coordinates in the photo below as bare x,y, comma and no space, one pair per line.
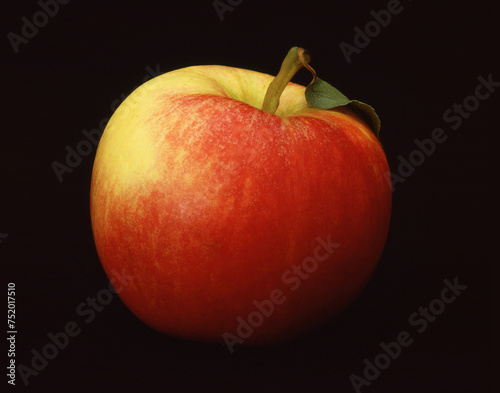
296,59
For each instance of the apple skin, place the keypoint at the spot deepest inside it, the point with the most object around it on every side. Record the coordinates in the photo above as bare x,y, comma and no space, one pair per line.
207,200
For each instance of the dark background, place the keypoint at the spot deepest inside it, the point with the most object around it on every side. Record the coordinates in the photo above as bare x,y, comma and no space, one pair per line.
89,54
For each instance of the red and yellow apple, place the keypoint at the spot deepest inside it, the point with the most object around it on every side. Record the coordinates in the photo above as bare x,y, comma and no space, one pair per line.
216,207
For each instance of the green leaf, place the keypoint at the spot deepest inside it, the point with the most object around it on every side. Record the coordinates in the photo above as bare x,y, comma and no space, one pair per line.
322,95
367,113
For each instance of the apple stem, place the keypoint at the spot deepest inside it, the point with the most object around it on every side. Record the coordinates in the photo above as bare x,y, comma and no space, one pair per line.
296,59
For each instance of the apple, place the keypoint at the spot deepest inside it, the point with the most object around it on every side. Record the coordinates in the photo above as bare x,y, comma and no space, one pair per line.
243,214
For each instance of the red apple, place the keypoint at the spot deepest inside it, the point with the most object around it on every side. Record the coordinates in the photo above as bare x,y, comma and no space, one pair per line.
236,224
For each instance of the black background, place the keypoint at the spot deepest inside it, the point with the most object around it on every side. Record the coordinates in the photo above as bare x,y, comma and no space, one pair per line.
91,53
